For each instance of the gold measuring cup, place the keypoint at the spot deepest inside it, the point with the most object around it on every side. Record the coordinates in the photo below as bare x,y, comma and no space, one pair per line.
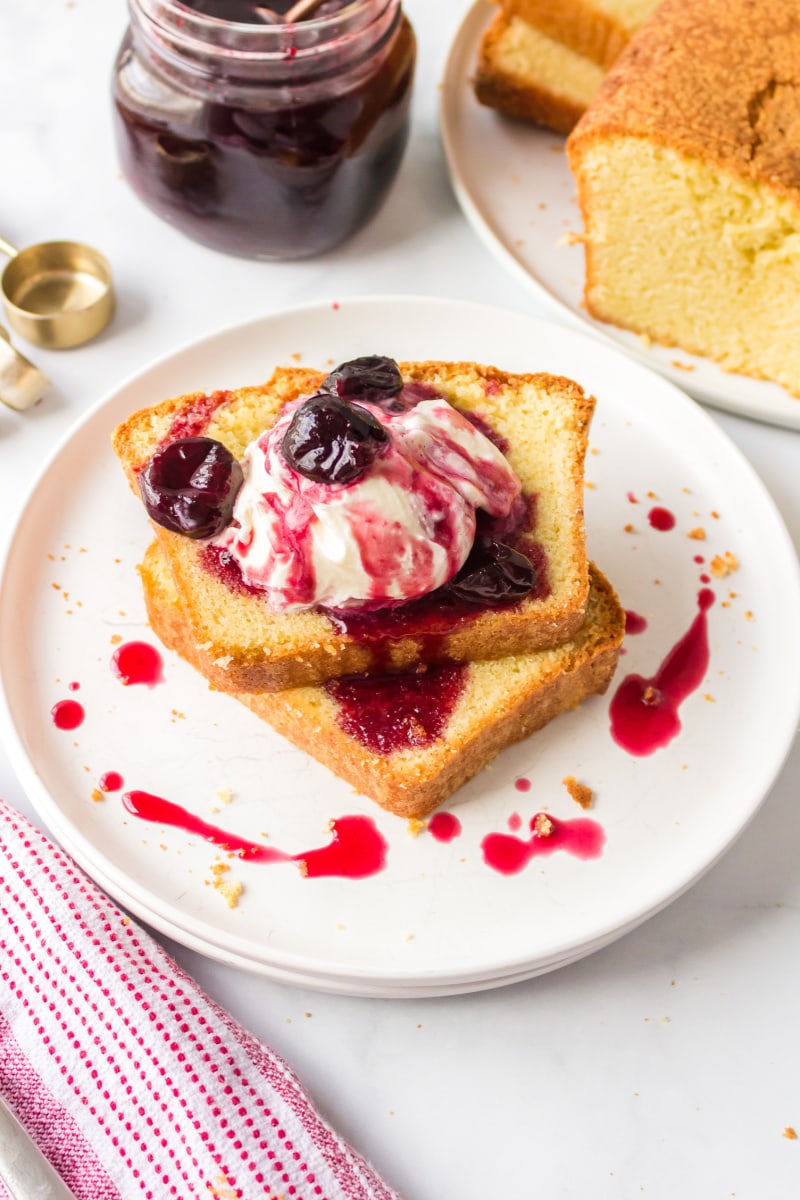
57,294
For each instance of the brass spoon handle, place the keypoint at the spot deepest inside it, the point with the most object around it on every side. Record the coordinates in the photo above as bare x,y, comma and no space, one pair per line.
7,249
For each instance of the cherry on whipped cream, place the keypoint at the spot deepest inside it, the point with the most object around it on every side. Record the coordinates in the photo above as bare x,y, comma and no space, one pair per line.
373,378
331,441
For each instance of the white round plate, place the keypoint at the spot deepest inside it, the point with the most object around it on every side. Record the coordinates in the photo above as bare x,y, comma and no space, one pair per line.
437,919
514,186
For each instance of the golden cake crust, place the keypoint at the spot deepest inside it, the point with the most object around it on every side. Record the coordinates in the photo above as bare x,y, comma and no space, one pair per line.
718,79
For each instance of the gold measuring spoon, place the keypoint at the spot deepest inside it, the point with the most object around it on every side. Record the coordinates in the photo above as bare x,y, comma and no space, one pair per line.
57,294
21,383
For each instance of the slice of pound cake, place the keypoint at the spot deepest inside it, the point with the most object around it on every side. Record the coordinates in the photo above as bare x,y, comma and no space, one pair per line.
688,176
526,74
409,741
597,29
544,60
370,520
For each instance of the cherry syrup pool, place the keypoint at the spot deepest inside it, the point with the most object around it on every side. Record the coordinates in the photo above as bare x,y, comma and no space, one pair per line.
644,711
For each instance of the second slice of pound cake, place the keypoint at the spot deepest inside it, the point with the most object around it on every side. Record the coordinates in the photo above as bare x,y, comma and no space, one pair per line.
524,73
524,584
409,741
688,177
543,60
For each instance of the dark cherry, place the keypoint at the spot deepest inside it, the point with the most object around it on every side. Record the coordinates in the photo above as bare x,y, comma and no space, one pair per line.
494,574
190,486
331,441
373,378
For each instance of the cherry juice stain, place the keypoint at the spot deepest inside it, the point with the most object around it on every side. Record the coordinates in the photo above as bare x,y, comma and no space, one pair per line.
67,714
634,622
397,712
444,826
138,662
661,519
644,712
581,837
357,849
111,781
192,421
522,784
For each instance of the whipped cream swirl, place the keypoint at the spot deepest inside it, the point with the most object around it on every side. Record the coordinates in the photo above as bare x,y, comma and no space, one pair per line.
398,532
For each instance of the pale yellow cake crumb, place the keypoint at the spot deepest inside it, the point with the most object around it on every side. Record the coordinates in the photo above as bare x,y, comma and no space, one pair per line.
723,564
229,889
542,825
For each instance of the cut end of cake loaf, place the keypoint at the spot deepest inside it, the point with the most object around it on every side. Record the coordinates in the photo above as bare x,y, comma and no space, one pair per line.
498,703
243,646
524,73
688,179
596,29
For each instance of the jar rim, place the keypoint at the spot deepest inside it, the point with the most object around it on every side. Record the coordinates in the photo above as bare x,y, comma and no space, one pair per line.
176,20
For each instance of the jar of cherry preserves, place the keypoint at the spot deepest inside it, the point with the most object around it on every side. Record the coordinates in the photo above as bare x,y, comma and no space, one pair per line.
257,137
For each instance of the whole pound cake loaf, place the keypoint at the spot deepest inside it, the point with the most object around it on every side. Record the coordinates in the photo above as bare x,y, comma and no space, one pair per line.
490,464
688,174
409,741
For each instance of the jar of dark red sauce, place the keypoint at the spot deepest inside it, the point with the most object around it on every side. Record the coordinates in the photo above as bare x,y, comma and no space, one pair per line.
266,140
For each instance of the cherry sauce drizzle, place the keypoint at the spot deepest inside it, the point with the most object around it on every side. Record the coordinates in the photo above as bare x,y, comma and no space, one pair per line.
507,854
357,849
444,826
111,781
661,519
644,712
67,714
386,713
634,622
138,662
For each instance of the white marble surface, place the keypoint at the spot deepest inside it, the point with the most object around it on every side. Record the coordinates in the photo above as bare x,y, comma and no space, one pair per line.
665,1065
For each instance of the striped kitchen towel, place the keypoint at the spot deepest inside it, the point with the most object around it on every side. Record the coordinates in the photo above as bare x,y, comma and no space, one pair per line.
133,1083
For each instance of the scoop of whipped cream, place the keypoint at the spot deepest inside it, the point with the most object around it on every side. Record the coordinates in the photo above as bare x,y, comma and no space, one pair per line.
398,532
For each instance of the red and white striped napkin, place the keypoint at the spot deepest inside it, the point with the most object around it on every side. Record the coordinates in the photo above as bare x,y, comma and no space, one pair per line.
133,1083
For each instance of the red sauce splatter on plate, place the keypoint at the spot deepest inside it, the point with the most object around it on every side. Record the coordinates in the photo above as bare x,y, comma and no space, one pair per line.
644,711
138,662
67,714
581,837
444,826
634,622
357,848
661,519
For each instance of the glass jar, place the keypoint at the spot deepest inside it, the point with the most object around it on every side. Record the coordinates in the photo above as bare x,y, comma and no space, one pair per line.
263,140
